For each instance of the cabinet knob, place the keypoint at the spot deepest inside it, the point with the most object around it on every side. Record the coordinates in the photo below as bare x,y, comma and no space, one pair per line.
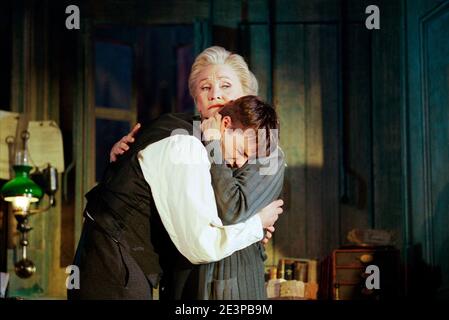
366,258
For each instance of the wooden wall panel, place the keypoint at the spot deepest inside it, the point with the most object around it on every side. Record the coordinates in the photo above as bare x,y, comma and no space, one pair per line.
290,101
146,12
225,17
227,13
355,9
316,10
259,57
321,68
305,92
306,97
35,92
258,10
436,101
387,167
356,208
5,54
314,140
331,133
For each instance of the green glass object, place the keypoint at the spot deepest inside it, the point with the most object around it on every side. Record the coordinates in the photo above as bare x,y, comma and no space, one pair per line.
21,186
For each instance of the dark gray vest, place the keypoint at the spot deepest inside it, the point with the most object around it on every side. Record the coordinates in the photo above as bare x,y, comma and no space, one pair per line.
123,207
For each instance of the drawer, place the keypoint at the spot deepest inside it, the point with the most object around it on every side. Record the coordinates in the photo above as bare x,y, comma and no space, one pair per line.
356,259
349,275
346,292
353,292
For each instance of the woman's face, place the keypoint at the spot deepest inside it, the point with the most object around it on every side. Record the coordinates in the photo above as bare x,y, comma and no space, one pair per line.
217,84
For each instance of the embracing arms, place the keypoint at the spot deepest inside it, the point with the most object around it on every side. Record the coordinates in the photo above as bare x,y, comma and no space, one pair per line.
177,170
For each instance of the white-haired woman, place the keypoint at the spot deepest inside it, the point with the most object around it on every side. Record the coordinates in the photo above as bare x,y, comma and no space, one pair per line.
218,76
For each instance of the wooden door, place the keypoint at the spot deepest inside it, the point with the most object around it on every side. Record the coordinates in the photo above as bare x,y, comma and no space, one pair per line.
428,138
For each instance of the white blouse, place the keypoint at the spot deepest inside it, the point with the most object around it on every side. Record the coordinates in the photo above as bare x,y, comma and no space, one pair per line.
177,170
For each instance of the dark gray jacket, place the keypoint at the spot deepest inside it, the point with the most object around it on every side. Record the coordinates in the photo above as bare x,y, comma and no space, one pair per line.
240,193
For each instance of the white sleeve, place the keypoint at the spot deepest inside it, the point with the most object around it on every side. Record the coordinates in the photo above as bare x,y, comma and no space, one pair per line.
177,170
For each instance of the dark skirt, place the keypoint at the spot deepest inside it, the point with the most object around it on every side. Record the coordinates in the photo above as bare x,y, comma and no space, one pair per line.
241,276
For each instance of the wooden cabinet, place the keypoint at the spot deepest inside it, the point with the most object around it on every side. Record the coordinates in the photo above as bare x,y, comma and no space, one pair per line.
349,273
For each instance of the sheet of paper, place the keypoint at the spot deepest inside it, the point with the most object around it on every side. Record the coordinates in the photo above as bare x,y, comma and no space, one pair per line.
45,145
8,127
4,278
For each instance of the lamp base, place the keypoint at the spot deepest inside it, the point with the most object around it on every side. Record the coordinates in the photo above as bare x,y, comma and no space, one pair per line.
25,268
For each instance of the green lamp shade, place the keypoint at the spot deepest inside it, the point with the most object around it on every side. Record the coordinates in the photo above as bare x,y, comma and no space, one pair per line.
21,186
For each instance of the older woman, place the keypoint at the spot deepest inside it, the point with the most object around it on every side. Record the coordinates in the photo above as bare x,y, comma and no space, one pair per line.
218,76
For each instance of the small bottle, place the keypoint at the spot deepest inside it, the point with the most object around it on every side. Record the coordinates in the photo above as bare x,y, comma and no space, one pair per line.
337,291
273,273
288,272
281,269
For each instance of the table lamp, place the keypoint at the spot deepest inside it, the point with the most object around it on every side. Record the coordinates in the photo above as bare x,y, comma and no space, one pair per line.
21,192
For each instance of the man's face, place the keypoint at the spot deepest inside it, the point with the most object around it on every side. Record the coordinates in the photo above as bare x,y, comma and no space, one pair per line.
217,84
237,145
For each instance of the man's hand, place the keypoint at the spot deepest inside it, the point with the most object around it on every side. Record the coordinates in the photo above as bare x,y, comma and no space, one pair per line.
122,145
268,235
270,213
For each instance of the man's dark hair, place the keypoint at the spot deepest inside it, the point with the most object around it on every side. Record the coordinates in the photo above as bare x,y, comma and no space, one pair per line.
250,112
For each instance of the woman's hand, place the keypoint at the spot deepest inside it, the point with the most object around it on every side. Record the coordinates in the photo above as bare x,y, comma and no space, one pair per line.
270,213
122,145
211,127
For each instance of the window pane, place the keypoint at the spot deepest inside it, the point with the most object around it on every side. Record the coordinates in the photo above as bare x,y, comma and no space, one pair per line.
113,75
107,133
